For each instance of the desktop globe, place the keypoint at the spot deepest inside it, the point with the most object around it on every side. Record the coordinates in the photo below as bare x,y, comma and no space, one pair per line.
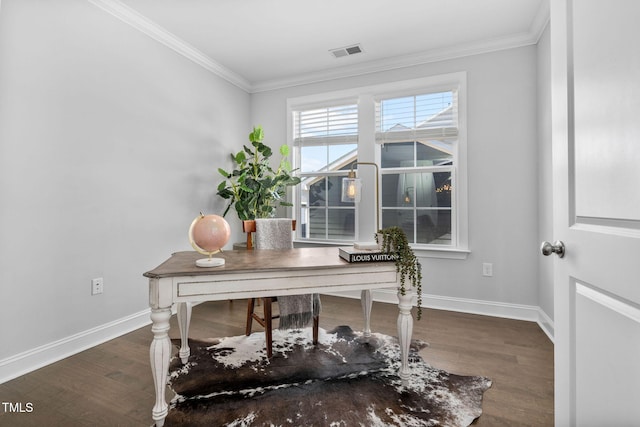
208,234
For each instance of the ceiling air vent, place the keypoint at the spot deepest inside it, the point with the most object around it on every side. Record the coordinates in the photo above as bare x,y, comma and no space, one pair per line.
346,51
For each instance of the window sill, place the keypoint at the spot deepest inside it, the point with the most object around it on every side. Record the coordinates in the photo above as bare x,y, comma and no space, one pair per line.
443,253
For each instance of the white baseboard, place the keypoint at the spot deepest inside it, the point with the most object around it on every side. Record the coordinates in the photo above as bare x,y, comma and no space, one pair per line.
28,361
25,362
546,324
487,308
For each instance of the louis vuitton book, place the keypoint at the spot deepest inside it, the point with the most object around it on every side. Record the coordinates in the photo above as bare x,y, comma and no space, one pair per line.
349,254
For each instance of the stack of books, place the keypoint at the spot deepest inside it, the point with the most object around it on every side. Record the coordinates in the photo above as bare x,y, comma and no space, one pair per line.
351,254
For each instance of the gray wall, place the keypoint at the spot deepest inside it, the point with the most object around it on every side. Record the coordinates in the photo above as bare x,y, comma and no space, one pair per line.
502,158
109,146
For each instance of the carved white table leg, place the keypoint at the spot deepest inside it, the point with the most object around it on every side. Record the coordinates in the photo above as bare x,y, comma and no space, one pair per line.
160,353
405,329
184,318
365,300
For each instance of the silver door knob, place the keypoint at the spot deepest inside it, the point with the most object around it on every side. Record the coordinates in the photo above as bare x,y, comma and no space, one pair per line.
557,248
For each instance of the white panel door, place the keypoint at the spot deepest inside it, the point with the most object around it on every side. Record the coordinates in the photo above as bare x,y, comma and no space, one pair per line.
595,56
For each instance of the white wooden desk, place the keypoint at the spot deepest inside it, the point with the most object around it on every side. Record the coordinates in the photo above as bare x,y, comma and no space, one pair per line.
259,273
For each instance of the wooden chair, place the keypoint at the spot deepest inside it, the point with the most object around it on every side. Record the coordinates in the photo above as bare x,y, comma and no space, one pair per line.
266,321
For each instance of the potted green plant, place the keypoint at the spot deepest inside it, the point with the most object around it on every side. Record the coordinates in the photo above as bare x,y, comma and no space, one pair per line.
254,188
393,241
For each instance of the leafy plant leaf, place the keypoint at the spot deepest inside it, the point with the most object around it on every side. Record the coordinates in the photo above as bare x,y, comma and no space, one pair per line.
257,134
240,157
225,193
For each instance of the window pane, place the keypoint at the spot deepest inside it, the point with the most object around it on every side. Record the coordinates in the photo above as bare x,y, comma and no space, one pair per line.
325,122
397,155
340,155
317,223
304,222
317,191
433,109
335,192
433,190
402,218
429,153
422,190
437,152
323,214
443,188
323,191
338,225
433,226
341,224
398,113
398,190
423,199
313,158
410,112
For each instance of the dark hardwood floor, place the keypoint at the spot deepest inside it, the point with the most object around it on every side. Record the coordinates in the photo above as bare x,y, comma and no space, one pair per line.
111,384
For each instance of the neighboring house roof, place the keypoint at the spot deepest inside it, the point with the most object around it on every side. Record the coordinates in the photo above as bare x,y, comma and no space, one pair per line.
336,165
444,117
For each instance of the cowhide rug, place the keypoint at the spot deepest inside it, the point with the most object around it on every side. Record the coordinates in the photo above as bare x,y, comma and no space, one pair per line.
347,380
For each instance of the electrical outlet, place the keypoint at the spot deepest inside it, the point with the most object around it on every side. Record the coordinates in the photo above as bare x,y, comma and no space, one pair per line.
97,286
487,269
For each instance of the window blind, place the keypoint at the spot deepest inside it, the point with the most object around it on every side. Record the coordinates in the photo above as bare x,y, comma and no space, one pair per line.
417,118
326,125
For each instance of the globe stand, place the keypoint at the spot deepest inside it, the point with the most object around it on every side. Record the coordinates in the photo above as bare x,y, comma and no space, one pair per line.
210,262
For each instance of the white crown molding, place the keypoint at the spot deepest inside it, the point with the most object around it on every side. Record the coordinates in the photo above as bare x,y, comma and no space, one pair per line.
156,32
541,20
435,55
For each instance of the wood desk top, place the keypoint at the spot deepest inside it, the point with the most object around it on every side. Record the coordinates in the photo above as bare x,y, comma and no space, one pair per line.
244,261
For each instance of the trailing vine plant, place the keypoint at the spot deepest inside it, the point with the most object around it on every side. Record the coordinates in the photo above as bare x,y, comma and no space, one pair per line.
394,242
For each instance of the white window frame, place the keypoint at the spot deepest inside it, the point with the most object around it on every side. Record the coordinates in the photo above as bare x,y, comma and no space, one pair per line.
369,151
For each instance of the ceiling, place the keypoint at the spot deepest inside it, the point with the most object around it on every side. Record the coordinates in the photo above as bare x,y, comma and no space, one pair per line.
266,44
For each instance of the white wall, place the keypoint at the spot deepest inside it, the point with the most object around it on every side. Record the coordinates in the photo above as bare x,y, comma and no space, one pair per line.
502,152
109,147
545,185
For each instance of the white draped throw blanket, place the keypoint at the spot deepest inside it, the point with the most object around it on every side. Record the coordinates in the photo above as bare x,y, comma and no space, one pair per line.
296,311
